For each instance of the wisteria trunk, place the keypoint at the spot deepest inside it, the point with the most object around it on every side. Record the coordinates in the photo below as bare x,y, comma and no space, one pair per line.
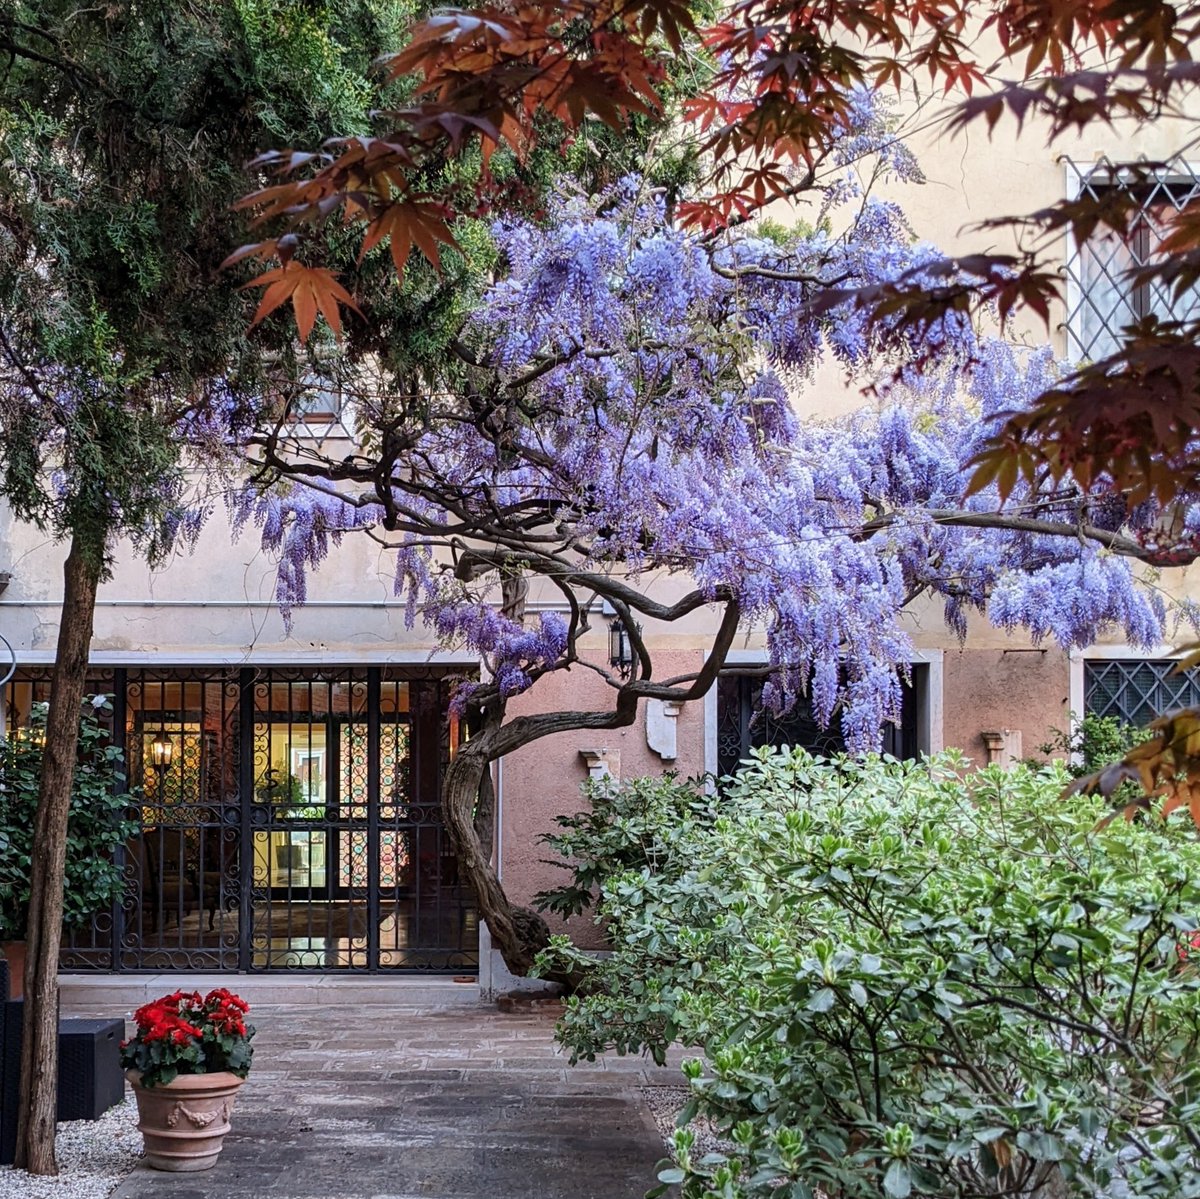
39,1051
518,933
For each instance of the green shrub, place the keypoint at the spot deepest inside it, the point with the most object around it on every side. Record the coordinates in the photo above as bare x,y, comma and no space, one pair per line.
1095,742
98,820
904,980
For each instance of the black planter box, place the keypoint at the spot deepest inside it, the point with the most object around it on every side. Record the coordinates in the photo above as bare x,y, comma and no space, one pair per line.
89,1070
12,1012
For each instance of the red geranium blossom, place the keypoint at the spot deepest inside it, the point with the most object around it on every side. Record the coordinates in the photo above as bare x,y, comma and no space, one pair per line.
186,1033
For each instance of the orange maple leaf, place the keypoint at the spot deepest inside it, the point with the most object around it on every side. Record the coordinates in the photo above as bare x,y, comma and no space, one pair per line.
406,223
310,289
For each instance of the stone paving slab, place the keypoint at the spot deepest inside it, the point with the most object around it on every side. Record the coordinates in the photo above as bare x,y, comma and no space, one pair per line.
425,1103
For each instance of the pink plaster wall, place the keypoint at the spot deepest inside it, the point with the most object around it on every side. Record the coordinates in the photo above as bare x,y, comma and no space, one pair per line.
990,689
543,780
983,689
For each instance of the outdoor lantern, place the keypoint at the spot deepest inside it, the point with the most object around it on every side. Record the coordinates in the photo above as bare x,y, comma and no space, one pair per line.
161,750
620,649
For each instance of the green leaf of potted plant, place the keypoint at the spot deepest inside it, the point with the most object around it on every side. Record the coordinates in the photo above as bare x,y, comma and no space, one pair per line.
99,825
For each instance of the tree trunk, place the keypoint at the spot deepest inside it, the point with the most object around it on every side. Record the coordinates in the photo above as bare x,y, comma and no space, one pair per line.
484,821
517,932
39,1051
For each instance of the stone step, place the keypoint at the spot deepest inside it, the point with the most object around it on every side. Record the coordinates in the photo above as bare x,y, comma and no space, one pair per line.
124,992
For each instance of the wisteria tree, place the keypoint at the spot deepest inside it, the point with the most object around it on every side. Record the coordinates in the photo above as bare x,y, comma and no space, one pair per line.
775,86
619,428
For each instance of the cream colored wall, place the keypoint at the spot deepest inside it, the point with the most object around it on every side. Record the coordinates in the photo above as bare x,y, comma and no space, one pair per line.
216,604
973,176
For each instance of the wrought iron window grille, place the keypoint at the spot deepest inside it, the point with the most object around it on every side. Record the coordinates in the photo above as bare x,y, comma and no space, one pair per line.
1101,298
1136,690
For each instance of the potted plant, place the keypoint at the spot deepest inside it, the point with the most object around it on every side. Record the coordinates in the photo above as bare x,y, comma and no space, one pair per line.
98,825
287,794
185,1062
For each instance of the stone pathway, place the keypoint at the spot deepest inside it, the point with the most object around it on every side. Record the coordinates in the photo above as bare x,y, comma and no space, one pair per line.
451,1103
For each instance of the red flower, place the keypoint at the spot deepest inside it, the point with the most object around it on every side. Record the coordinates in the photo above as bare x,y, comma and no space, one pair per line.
183,1032
184,1019
151,1014
221,998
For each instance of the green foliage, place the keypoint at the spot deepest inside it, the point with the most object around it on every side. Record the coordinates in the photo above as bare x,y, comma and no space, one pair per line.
275,790
288,794
98,820
903,980
1095,742
124,130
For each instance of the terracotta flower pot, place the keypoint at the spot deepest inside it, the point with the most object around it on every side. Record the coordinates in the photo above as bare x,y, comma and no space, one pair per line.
14,952
183,1123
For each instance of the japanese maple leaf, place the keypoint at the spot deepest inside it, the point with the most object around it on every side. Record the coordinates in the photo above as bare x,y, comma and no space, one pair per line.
310,289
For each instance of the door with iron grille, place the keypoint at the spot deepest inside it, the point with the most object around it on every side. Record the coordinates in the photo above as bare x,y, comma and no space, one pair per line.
286,820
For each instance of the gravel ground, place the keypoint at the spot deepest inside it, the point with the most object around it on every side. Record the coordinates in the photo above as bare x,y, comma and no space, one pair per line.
665,1103
93,1157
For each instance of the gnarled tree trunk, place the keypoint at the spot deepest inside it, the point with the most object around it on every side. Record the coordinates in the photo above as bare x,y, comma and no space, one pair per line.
39,1051
519,933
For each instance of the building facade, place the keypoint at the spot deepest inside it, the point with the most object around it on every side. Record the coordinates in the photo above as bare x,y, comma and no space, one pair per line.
288,781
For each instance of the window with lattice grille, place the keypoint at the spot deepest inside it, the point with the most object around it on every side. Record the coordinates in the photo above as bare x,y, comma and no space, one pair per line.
1135,691
743,724
1101,300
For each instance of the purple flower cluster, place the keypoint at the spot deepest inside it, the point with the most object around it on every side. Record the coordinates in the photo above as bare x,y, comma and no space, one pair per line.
658,438
299,526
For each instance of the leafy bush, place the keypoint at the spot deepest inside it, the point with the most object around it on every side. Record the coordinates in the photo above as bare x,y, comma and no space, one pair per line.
98,821
1092,744
904,980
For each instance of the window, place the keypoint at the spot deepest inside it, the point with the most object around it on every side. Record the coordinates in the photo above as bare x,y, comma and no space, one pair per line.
1101,301
1135,690
743,725
282,818
321,402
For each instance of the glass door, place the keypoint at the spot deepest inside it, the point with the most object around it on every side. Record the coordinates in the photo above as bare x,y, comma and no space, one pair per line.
294,786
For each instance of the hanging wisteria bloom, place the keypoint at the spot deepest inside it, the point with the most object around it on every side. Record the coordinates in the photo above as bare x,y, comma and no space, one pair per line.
632,428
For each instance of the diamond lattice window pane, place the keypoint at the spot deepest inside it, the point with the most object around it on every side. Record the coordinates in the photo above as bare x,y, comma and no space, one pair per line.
1136,691
1102,300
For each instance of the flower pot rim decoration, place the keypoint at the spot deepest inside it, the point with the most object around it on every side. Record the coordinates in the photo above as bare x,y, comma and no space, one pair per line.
185,1082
